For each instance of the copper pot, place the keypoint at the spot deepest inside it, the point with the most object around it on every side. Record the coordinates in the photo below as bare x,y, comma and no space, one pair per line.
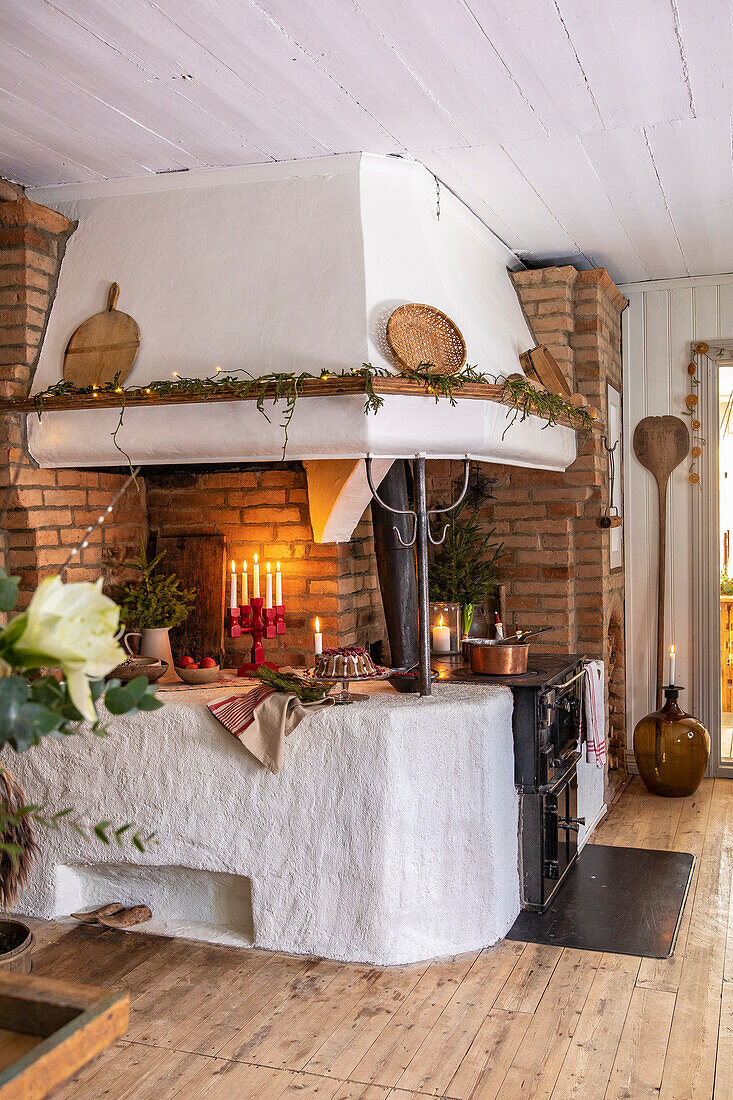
498,659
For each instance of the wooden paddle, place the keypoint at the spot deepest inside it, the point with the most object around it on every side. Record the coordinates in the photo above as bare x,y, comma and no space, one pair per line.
103,346
660,444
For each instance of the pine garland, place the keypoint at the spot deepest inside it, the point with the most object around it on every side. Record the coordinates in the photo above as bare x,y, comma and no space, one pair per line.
524,399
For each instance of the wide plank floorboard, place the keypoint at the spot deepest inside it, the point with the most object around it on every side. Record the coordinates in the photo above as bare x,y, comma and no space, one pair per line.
512,1021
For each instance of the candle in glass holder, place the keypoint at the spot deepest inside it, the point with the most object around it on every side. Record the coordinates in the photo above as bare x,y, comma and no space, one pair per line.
268,587
278,585
256,580
233,588
441,637
245,584
318,638
672,665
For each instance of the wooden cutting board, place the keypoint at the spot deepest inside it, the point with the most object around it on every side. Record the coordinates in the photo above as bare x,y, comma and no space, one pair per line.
541,364
103,346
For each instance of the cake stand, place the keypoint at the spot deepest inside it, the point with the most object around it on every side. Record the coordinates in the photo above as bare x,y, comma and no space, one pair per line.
343,696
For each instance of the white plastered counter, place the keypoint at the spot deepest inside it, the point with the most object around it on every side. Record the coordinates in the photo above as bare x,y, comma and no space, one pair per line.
389,836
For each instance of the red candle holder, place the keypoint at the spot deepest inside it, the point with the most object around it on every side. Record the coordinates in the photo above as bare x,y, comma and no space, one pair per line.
261,622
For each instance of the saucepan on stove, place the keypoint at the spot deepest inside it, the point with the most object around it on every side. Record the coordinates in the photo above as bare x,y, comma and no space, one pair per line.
501,658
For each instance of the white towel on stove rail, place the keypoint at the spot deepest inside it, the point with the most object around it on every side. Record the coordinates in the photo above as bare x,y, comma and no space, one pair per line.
594,716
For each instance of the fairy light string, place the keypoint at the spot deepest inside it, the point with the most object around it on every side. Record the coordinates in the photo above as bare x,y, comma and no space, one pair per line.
100,520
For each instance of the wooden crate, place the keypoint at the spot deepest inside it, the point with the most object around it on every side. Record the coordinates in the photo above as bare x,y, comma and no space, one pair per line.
50,1029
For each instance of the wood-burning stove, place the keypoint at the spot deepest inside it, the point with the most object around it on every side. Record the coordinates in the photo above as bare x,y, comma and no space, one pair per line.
548,704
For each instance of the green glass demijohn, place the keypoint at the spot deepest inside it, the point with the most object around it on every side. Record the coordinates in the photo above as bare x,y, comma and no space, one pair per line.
671,749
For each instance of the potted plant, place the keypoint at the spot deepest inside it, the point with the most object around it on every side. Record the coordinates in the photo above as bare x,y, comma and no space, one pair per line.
54,657
464,569
154,604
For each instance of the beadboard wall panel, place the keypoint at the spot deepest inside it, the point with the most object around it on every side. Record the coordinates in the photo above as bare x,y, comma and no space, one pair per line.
661,320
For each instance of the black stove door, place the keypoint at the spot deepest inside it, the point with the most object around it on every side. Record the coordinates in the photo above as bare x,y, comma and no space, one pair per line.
561,836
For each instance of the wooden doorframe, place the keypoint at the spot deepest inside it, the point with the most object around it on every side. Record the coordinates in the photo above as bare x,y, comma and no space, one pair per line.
706,552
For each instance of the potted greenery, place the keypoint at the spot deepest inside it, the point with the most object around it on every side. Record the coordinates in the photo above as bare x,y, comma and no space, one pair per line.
464,569
154,604
54,658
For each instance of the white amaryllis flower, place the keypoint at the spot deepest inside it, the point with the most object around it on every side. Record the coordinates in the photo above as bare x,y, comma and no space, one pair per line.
74,626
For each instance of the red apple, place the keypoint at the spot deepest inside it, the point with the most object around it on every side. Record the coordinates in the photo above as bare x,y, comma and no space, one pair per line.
186,662
207,662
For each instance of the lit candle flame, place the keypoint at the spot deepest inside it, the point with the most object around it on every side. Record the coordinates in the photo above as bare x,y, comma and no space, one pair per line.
268,568
441,621
277,566
671,651
244,566
318,626
256,559
233,570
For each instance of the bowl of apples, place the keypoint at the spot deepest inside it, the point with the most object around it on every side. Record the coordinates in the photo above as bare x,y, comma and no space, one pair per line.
197,672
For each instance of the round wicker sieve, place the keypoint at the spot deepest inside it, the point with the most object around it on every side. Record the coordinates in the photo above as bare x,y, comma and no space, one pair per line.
419,334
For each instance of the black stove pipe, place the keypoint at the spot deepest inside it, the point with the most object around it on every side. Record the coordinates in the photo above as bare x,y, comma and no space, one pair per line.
396,566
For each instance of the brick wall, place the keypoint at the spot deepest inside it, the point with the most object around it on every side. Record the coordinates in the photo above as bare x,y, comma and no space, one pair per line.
557,565
264,510
46,511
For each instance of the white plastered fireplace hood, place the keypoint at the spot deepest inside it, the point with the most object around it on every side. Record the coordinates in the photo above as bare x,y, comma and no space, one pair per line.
278,268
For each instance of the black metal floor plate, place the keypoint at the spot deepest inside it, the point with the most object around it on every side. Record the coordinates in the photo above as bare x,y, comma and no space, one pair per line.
627,901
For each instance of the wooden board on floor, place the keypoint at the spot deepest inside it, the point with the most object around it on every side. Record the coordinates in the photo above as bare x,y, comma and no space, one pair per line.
71,1025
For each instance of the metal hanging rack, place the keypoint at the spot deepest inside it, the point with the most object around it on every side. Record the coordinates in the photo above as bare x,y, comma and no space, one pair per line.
421,535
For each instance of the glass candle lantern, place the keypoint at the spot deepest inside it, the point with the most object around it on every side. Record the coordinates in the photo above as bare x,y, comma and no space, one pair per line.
445,628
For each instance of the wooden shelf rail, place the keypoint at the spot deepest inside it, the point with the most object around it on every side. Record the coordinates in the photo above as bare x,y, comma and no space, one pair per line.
312,387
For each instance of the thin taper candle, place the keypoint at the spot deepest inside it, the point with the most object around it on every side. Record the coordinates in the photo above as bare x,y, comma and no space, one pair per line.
318,639
672,665
278,585
233,588
268,587
245,584
256,580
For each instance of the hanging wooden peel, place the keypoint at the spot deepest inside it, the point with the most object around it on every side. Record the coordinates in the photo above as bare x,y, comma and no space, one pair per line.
660,444
103,346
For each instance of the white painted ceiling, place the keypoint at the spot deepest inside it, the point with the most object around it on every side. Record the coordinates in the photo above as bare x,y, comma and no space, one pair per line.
593,129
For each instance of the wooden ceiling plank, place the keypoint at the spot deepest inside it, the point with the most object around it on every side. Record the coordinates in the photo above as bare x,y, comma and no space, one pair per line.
693,159
630,56
256,52
353,51
159,45
533,43
706,36
58,43
64,139
623,161
29,164
560,170
58,98
443,45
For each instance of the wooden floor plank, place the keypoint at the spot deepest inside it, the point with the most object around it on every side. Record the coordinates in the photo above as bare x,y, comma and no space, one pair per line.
639,1062
481,1073
530,978
349,1042
537,1062
444,1047
394,1048
586,1070
723,1089
689,1070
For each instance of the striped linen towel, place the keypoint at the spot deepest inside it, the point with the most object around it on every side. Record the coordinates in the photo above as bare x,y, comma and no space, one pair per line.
262,718
594,706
